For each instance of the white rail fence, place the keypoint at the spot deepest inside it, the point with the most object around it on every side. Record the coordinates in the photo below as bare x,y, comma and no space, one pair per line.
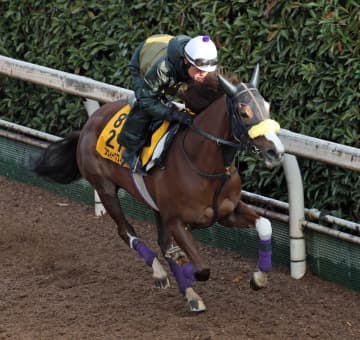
295,145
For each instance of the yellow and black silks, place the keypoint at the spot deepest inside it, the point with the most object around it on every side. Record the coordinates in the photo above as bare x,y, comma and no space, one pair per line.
154,48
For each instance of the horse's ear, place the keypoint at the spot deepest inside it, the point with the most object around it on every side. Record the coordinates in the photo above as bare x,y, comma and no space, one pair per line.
229,88
255,77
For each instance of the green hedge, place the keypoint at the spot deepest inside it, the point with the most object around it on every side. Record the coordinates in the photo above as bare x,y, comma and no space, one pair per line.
309,54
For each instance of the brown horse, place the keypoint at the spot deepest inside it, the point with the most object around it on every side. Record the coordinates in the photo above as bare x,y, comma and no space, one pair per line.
197,185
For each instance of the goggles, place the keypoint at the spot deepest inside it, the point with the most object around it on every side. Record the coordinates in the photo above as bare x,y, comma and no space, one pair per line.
201,62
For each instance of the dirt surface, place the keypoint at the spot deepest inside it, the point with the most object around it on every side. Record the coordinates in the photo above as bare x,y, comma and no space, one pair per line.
65,274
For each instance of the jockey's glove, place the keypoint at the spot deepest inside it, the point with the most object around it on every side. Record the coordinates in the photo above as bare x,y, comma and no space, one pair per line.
181,116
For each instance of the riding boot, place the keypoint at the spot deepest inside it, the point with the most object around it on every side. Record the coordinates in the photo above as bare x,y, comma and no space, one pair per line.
132,137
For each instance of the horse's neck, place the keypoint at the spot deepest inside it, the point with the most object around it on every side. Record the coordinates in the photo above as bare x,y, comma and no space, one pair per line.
214,120
198,96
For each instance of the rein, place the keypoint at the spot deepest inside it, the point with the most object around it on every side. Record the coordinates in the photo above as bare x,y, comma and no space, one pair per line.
217,140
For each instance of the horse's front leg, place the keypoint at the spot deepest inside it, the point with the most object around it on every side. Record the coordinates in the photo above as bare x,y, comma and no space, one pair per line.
245,216
185,271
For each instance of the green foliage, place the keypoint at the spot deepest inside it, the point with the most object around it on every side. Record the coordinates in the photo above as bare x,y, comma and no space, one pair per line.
309,53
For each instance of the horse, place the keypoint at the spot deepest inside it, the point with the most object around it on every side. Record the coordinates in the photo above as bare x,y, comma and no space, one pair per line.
197,185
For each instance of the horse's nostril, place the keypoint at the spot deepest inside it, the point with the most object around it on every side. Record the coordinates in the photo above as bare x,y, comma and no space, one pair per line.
271,154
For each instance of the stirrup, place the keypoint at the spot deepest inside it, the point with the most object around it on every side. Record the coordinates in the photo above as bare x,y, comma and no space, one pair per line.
134,163
138,169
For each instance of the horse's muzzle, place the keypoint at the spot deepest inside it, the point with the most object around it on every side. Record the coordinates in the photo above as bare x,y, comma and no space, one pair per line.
272,158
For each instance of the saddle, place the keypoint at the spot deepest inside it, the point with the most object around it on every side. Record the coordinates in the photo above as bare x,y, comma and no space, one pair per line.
153,152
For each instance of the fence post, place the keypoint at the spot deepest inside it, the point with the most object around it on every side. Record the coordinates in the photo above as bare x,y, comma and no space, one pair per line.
91,106
296,216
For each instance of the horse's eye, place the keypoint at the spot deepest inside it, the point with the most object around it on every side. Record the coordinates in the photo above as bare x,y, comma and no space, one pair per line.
245,111
244,115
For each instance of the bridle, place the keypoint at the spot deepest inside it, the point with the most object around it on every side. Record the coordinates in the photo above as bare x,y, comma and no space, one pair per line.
238,128
236,125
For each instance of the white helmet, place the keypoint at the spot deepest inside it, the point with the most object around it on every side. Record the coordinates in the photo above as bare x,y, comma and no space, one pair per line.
201,52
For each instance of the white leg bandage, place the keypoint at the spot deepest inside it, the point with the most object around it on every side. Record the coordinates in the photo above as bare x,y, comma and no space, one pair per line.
263,227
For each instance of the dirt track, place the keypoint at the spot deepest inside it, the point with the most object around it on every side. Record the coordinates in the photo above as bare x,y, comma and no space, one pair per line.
65,274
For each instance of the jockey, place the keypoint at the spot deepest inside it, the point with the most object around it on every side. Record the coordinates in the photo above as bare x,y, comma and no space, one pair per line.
159,66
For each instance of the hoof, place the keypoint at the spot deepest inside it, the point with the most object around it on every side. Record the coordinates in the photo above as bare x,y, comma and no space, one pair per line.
202,275
162,283
258,280
253,285
196,304
159,275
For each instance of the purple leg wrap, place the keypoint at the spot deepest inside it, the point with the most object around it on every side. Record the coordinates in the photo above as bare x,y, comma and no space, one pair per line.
147,254
265,253
188,271
183,274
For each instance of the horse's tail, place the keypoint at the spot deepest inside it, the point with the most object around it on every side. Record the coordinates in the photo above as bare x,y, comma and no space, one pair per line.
58,161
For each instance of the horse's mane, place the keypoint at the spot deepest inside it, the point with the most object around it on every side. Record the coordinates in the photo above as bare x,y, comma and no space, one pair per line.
198,96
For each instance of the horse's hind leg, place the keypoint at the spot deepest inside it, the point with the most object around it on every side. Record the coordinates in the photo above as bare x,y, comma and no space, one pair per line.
180,267
245,216
108,194
184,274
